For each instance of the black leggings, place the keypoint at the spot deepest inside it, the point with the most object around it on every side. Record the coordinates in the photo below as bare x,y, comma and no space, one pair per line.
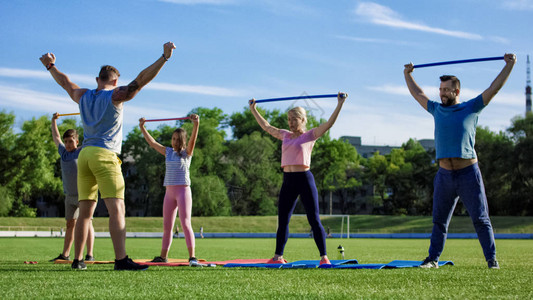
299,184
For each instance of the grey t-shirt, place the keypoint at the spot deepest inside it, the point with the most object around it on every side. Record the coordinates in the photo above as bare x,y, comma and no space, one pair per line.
69,169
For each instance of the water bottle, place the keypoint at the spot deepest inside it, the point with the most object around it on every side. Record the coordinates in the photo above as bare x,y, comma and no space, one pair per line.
341,252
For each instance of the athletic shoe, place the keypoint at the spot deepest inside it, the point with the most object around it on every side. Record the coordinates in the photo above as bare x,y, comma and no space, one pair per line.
429,263
493,264
126,264
325,261
61,257
193,262
159,259
279,261
89,258
78,265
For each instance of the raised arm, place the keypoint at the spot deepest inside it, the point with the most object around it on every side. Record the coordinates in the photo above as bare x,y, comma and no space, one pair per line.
151,141
415,90
55,132
73,90
320,130
273,131
194,135
126,93
488,94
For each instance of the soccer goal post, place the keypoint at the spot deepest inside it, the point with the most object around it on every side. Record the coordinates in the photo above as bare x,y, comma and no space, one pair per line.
335,225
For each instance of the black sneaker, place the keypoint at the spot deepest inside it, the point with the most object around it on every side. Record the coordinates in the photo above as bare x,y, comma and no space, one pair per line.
61,257
493,264
127,264
159,259
89,258
78,265
429,263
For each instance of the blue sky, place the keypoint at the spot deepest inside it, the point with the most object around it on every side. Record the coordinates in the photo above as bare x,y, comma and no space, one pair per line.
229,51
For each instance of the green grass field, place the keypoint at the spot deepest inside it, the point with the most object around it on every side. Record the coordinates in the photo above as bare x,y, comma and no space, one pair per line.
468,279
299,224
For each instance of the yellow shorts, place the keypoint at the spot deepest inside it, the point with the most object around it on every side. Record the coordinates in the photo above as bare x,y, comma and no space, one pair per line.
99,169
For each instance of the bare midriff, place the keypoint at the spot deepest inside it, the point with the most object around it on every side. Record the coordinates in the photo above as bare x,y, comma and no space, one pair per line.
456,163
295,168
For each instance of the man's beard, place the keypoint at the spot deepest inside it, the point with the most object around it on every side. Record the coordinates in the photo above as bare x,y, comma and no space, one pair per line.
447,101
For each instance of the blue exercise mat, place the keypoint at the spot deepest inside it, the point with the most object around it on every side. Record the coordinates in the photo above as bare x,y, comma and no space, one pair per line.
395,264
337,264
300,264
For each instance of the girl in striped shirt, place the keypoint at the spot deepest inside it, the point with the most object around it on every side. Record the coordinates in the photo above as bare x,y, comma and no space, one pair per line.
178,197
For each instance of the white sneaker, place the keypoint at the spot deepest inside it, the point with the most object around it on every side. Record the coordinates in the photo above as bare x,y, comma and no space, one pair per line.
428,264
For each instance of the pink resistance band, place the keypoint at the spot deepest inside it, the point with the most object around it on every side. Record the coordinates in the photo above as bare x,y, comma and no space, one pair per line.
171,119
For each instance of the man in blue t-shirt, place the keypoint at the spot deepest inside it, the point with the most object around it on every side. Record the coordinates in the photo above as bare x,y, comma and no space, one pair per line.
458,174
68,150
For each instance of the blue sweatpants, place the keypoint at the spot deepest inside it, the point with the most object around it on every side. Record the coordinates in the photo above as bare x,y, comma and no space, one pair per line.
299,184
466,184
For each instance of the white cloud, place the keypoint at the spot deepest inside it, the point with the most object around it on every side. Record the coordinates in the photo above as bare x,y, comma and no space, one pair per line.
371,40
86,80
499,39
195,89
518,4
34,101
383,15
29,100
391,89
22,73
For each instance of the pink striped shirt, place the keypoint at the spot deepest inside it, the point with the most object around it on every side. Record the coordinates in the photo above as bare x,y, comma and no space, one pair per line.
297,151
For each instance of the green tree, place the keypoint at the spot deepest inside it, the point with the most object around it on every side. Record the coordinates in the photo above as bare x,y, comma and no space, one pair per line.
6,201
210,145
32,175
145,168
210,194
144,171
410,177
7,144
254,175
336,167
244,123
376,169
495,155
522,183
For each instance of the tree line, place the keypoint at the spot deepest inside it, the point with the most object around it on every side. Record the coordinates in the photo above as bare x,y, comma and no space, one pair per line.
241,174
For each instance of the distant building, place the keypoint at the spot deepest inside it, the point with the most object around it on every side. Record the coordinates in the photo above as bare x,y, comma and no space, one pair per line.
367,151
45,209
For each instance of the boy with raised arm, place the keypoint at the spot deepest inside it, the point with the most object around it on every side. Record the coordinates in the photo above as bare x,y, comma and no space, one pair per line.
69,151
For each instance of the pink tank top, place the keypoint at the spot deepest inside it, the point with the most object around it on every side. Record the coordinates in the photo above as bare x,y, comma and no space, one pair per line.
297,151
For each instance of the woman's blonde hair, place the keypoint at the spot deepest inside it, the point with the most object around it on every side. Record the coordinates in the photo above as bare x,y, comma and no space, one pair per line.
299,112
